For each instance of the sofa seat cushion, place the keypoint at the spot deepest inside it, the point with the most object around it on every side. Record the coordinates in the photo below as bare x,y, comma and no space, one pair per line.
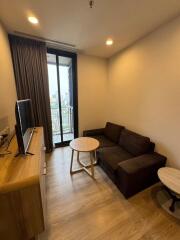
112,156
112,131
103,141
134,143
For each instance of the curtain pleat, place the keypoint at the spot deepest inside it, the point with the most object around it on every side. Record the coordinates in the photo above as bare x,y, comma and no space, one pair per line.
31,76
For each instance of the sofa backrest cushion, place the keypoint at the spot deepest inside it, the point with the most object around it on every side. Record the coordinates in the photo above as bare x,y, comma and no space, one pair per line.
134,143
112,131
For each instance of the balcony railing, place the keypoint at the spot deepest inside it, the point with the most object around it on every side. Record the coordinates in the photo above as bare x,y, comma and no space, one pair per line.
67,120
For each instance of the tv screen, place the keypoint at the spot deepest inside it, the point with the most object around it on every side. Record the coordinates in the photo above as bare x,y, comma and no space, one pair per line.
24,124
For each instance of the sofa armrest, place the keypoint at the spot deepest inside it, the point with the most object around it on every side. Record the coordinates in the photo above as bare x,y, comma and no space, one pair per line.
142,162
93,132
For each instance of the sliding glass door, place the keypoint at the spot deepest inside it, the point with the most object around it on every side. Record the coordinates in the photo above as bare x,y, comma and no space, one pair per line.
63,95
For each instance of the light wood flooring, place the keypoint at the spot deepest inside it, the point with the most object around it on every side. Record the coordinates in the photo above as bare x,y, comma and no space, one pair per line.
80,208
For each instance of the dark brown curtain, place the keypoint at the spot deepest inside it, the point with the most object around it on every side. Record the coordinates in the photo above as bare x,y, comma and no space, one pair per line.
31,75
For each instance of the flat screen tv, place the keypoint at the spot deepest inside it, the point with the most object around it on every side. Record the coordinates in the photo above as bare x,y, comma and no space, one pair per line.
24,124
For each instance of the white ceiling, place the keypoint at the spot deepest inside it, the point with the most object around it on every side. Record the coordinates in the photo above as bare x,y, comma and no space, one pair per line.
73,22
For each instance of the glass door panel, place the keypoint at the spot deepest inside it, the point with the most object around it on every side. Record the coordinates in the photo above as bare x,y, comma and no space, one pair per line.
65,75
54,97
62,89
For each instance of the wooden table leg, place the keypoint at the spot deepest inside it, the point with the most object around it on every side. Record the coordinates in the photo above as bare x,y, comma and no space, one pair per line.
72,155
71,167
92,163
79,160
95,158
174,199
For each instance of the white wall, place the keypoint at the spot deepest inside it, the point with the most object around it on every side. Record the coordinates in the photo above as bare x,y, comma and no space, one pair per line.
144,89
92,86
7,82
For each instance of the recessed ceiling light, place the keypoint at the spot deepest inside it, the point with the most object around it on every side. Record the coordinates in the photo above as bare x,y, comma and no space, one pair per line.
33,20
109,42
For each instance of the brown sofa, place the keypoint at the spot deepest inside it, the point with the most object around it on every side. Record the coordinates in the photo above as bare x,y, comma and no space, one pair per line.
127,157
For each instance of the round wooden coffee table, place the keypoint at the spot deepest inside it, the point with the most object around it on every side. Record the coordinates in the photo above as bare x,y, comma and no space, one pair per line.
84,144
170,177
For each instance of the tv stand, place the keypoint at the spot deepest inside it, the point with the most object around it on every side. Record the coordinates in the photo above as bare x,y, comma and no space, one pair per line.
22,191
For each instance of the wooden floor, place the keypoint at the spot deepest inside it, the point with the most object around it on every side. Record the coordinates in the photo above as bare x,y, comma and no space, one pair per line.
79,208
